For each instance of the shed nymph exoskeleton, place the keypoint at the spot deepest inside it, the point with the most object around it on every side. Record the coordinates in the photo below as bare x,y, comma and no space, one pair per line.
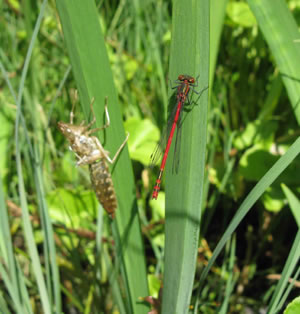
89,151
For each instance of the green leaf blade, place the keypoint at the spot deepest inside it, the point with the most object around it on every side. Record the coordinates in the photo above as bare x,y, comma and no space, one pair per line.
271,17
189,55
93,76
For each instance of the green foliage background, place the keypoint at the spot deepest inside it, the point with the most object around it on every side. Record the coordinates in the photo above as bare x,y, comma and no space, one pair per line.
58,251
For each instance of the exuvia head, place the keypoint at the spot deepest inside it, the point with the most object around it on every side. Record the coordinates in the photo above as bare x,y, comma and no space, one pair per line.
70,131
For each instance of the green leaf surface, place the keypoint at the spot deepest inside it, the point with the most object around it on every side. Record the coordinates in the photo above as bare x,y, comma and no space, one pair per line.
293,307
158,206
240,14
93,76
154,285
73,208
256,132
143,139
273,199
271,16
256,161
184,191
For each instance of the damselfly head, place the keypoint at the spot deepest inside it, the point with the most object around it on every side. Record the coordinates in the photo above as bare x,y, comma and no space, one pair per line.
188,78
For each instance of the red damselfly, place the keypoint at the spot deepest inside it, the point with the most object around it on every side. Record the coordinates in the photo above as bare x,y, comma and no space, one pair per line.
185,83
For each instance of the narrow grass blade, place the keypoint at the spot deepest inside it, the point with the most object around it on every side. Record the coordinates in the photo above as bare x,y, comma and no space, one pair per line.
6,247
217,15
252,197
10,273
36,265
113,280
14,272
3,305
288,269
230,280
93,76
288,290
52,272
184,191
271,16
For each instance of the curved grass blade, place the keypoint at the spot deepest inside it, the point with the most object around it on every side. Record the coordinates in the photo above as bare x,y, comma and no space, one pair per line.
252,197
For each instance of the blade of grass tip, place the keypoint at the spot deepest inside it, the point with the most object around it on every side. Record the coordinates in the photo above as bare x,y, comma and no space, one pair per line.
184,191
28,232
281,164
289,267
93,76
271,16
293,202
